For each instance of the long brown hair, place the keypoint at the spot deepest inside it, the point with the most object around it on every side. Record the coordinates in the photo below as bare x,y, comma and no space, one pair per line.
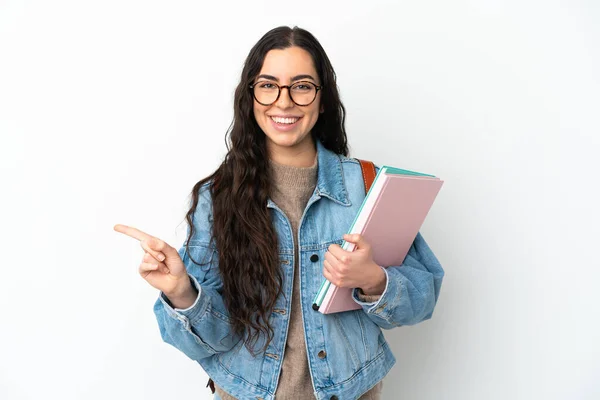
242,230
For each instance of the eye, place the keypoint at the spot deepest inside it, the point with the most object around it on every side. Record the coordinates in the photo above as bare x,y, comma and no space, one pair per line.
302,86
266,85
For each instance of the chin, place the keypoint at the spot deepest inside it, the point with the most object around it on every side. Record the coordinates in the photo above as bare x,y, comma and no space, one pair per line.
286,140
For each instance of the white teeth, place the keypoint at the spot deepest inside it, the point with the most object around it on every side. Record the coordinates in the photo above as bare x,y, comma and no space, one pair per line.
284,120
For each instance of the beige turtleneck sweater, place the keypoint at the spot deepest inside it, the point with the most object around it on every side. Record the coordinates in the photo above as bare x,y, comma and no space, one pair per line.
291,189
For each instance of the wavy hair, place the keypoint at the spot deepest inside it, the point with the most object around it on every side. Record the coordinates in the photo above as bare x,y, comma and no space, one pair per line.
242,229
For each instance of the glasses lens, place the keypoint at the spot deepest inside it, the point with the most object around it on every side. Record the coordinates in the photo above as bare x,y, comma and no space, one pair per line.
303,93
266,92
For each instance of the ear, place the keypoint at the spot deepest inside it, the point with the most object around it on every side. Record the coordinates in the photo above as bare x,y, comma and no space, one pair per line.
322,110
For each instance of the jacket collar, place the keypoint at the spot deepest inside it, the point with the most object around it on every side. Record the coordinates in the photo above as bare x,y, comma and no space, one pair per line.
330,178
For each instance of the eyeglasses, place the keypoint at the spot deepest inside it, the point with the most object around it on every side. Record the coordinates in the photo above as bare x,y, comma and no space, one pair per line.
302,93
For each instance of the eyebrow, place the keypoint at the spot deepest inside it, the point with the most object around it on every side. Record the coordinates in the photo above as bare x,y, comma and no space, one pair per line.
295,78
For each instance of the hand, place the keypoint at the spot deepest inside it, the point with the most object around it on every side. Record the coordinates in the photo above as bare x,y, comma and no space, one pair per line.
354,269
162,267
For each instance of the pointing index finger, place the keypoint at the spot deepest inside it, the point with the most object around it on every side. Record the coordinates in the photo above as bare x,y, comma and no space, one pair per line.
132,232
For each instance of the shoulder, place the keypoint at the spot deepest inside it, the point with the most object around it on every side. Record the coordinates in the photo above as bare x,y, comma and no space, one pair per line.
350,168
352,164
203,193
349,163
352,178
203,214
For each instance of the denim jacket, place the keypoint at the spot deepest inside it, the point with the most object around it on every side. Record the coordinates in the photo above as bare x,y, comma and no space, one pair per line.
347,352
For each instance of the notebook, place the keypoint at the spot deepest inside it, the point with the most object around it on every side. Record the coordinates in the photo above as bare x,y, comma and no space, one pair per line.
389,219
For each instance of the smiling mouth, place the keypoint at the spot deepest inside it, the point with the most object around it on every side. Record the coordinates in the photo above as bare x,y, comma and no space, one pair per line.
285,121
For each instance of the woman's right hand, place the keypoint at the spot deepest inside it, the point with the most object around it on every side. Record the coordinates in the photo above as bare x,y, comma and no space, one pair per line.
163,268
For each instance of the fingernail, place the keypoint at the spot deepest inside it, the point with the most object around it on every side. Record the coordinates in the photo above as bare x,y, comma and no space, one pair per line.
161,257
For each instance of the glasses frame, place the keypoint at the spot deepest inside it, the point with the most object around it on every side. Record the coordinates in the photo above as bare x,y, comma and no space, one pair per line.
288,87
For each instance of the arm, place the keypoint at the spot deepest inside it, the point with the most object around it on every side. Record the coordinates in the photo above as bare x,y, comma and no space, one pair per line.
202,329
411,291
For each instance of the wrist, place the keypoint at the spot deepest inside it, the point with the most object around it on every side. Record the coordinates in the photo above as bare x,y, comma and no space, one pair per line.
184,295
377,285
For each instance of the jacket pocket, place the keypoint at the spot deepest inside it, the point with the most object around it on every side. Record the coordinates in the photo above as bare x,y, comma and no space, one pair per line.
360,335
371,336
349,332
242,364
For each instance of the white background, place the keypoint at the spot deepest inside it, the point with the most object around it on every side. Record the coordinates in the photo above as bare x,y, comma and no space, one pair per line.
111,111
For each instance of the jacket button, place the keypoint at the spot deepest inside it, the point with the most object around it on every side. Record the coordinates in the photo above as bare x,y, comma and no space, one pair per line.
334,397
322,354
314,258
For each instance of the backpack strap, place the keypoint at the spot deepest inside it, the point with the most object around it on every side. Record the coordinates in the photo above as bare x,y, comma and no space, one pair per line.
368,173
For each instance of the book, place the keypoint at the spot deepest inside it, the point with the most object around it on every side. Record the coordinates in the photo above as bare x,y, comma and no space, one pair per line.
389,219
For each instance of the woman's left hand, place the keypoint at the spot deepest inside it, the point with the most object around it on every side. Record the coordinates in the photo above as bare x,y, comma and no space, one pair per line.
354,269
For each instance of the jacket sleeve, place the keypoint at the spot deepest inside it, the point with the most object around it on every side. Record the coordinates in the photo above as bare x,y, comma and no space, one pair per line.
203,329
411,291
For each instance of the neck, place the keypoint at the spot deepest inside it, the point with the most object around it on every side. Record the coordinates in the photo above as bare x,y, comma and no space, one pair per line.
301,156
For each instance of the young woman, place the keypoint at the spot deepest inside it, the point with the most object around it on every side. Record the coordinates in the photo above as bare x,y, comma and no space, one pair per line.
265,229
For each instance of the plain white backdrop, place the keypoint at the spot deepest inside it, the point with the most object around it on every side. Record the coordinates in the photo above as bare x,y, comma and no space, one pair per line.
111,111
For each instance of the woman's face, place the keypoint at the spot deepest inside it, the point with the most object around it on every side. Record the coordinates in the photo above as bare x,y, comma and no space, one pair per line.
286,124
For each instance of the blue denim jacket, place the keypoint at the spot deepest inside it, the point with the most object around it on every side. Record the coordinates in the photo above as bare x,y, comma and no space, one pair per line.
356,355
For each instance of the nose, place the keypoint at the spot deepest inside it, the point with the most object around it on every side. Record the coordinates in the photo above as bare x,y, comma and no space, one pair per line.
284,101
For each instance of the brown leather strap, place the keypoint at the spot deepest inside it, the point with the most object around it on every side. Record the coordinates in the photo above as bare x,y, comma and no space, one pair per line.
368,173
211,384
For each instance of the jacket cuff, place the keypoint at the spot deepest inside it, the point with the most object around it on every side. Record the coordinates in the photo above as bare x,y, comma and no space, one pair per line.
193,313
386,302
